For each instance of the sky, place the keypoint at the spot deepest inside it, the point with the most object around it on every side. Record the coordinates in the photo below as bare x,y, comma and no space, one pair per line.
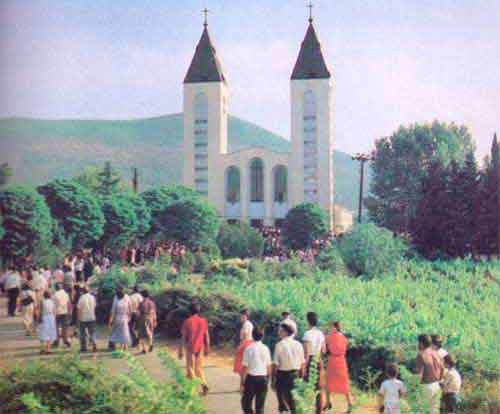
394,62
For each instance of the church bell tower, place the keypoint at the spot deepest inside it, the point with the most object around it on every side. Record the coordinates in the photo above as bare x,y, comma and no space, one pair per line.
311,127
205,120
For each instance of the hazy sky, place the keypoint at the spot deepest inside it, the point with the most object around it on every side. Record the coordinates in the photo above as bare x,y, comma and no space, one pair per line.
394,61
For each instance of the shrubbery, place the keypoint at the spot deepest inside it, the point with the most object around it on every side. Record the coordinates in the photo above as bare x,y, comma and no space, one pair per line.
302,225
371,250
68,385
239,240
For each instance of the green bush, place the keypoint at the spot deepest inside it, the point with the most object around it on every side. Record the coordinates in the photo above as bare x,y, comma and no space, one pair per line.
121,224
26,221
192,222
70,386
77,211
330,259
371,250
303,224
239,240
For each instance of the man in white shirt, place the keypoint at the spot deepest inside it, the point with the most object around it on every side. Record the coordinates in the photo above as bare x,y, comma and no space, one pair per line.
256,370
39,285
289,321
314,348
62,301
86,316
12,286
135,301
288,364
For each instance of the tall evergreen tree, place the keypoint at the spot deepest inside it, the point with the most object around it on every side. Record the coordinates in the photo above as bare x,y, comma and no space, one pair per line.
489,203
109,180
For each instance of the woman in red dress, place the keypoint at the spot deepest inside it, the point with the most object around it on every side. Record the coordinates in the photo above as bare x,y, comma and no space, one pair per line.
337,375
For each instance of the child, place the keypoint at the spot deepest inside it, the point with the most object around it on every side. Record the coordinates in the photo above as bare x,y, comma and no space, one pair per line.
452,382
391,391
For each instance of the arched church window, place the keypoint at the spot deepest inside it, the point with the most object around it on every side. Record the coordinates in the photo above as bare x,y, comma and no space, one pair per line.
280,184
233,185
256,180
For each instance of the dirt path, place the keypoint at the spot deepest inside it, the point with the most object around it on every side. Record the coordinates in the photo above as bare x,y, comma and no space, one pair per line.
223,398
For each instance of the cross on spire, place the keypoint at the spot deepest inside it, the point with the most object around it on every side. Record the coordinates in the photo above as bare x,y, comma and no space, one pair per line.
205,11
310,7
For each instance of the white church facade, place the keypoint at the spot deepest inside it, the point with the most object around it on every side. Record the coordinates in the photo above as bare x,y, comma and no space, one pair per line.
256,184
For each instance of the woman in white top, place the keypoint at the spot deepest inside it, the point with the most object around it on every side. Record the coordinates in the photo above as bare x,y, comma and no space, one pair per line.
119,319
245,340
391,391
314,349
47,331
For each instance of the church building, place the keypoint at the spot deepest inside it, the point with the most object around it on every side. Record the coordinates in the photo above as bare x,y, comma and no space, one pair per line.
255,184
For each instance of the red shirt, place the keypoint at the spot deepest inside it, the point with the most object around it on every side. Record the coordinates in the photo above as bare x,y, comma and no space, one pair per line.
194,330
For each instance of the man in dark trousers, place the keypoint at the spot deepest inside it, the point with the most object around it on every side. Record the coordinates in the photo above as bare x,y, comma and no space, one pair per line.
256,371
12,286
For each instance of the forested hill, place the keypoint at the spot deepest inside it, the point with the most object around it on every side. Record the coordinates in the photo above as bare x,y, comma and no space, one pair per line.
39,150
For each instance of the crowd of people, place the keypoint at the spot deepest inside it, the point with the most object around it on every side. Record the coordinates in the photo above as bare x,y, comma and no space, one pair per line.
292,359
275,249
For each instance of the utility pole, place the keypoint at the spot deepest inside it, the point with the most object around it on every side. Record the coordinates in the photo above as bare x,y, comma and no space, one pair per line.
362,158
135,179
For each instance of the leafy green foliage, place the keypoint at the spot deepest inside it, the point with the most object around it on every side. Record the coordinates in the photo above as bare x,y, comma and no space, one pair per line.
158,199
303,224
331,259
68,385
191,221
371,250
142,213
108,180
239,240
26,221
121,225
402,161
75,209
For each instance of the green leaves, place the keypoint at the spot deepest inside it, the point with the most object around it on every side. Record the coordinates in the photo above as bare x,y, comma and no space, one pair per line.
303,224
239,240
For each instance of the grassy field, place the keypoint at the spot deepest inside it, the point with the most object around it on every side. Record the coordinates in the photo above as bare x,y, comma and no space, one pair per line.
39,150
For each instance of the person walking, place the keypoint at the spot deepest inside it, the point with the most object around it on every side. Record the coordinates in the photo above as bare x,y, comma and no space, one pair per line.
39,285
314,348
288,365
196,341
146,322
430,370
28,300
12,286
245,340
47,330
437,345
255,373
63,310
287,318
119,319
85,311
337,374
391,391
135,301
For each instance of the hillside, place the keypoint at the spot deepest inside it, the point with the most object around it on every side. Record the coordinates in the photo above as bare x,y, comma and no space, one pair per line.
39,150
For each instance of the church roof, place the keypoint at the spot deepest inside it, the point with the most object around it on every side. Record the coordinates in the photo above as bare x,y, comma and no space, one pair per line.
205,66
310,63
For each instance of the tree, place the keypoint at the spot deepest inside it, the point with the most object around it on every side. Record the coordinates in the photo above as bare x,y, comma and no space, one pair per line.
489,202
142,213
191,221
109,180
239,240
431,222
159,198
5,173
120,227
75,209
401,162
302,225
92,179
371,250
26,221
